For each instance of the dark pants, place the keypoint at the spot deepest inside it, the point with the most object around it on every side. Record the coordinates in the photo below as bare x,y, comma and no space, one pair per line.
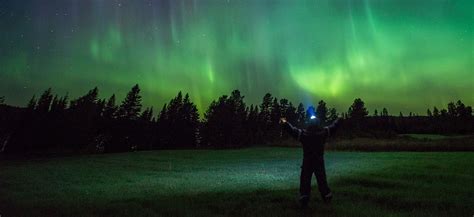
313,164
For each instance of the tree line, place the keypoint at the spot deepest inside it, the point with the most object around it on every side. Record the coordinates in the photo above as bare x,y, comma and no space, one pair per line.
55,124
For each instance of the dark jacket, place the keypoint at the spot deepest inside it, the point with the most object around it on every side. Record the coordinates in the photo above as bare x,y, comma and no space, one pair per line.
313,138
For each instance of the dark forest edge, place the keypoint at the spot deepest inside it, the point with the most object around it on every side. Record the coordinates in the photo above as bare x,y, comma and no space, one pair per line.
88,124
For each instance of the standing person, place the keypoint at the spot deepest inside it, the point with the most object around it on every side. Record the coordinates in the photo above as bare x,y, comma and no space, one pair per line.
313,139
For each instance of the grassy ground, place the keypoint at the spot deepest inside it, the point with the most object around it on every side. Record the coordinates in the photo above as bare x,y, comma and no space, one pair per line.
433,136
247,182
406,142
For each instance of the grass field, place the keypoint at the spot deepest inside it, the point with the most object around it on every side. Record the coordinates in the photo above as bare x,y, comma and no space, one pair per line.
434,136
246,182
406,142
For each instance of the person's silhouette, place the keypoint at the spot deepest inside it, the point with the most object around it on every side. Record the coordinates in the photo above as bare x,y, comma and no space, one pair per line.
313,139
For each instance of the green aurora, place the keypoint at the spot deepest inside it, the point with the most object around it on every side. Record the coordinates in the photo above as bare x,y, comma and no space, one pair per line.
406,55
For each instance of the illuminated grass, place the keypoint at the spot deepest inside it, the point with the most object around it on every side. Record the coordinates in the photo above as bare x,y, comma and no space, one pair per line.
247,182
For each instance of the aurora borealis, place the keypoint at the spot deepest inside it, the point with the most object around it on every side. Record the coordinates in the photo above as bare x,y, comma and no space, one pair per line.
406,55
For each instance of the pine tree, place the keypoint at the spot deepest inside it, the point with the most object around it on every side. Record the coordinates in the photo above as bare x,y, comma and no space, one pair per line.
238,116
189,109
274,131
110,109
290,114
174,108
428,112
284,106
376,113
58,106
86,100
63,102
31,104
357,109
237,103
178,122
265,110
452,111
217,123
252,124
162,116
275,112
443,113
163,127
225,121
150,114
436,112
2,100
131,105
101,106
54,103
147,115
462,110
301,115
44,101
85,107
322,112
385,112
332,116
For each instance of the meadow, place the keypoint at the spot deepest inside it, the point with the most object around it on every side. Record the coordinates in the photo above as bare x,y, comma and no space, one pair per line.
245,182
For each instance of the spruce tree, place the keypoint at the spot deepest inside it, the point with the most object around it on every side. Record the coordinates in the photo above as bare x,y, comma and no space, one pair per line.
190,122
265,110
64,102
357,110
332,116
462,110
162,116
275,112
452,111
226,119
322,112
252,124
428,112
147,115
443,113
284,106
436,112
44,102
54,105
59,104
301,115
131,105
110,109
32,103
291,114
85,107
175,105
385,112
238,115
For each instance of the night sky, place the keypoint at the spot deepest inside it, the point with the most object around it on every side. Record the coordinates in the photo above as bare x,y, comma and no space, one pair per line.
406,55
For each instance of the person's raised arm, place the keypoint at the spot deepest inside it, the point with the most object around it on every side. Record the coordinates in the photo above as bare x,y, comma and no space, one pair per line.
293,131
331,129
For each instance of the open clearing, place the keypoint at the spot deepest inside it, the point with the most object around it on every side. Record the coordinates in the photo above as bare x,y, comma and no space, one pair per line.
246,182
